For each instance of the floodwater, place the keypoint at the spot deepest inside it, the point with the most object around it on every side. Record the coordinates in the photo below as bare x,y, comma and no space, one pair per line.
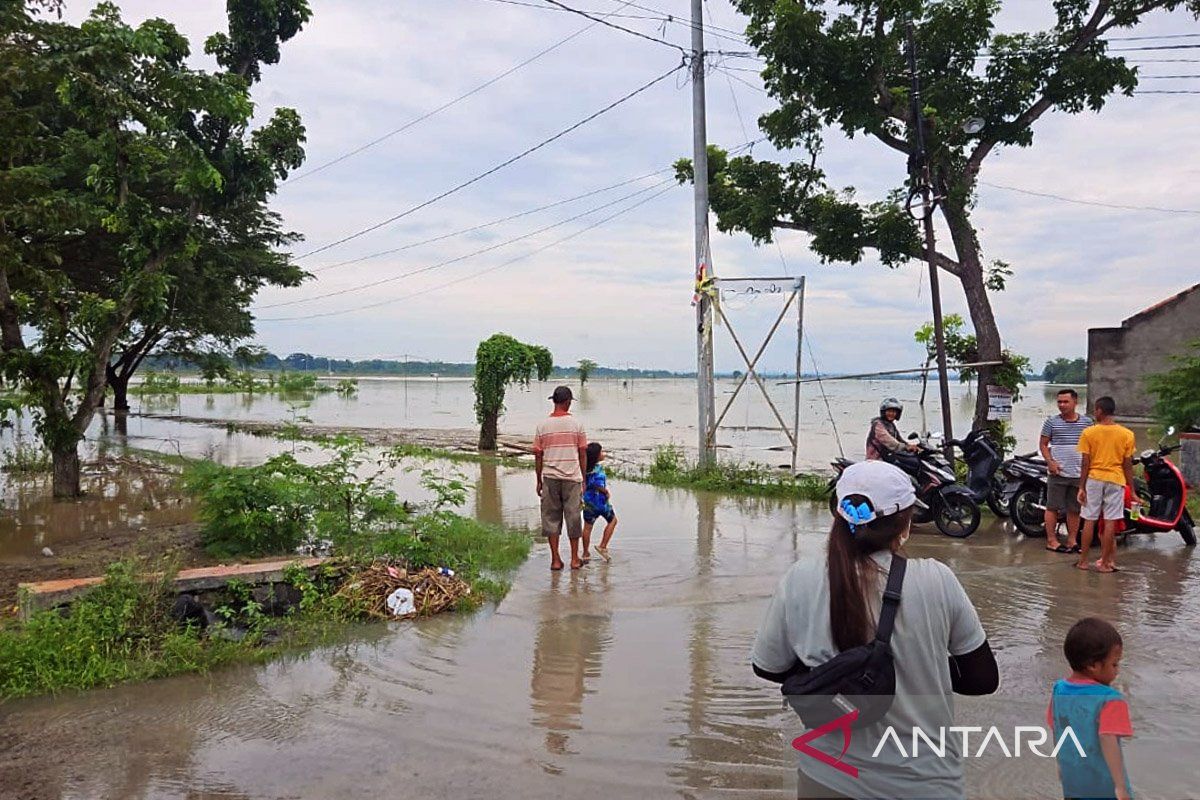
627,679
631,418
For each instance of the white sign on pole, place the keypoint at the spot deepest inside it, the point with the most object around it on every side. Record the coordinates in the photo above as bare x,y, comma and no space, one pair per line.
1000,401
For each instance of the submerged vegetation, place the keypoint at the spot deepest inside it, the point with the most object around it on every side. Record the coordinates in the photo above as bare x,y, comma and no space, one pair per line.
670,467
244,382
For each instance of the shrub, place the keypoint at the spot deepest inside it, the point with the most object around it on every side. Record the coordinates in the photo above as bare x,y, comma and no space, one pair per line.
157,383
26,459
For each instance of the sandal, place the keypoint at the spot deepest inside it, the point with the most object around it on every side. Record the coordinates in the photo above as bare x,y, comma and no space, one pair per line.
603,551
1075,548
1062,548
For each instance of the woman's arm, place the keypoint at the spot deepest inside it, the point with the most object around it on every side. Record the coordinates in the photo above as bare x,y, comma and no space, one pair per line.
799,668
975,673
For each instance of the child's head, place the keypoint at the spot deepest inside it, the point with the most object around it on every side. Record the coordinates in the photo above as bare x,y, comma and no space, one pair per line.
1093,648
595,454
1105,408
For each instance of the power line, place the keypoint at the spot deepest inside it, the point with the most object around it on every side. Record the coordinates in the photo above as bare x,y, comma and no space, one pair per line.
1091,202
453,102
456,259
541,7
1169,91
1149,38
496,168
615,26
501,265
493,223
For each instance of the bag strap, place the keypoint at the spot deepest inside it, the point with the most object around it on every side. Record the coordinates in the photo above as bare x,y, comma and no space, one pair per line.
891,599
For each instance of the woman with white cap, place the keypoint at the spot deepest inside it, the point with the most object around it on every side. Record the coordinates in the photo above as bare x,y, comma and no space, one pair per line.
828,604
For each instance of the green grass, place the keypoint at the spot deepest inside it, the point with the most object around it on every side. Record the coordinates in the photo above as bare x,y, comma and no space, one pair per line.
25,459
671,468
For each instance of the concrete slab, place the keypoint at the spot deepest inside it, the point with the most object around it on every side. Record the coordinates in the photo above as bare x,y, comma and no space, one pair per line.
51,594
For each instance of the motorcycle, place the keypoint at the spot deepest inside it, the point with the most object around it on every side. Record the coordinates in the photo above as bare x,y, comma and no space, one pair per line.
940,498
1163,495
1162,492
983,461
1024,492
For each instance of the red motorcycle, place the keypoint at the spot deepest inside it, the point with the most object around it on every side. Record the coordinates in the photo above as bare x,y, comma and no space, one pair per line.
1161,498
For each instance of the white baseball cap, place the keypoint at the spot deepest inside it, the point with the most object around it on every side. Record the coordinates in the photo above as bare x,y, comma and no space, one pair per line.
887,488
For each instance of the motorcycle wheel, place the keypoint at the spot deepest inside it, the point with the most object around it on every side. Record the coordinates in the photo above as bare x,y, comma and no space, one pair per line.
1188,531
957,516
1023,510
995,498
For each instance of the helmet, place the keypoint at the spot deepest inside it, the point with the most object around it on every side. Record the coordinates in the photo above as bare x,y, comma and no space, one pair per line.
891,402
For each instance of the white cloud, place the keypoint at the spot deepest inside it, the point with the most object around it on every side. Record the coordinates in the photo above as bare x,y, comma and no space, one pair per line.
621,293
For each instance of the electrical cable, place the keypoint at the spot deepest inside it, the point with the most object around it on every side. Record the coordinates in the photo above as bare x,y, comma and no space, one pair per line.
493,170
493,223
615,26
456,259
543,248
1091,202
444,106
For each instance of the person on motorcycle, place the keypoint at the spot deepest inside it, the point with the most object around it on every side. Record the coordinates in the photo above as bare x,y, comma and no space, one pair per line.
883,440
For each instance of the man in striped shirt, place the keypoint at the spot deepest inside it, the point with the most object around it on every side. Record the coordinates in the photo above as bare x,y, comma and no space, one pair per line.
1059,445
560,459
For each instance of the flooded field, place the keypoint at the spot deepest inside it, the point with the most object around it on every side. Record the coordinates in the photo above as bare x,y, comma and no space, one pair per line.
629,417
628,679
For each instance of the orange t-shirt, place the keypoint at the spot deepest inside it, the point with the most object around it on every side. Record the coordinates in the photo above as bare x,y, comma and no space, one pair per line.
1107,447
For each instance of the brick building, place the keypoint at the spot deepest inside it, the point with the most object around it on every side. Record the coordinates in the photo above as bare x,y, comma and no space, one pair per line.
1120,359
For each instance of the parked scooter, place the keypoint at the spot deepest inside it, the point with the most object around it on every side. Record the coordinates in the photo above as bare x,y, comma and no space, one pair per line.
983,461
1024,492
940,498
1160,503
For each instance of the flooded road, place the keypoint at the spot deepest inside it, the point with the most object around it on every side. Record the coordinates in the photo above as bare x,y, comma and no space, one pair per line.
627,679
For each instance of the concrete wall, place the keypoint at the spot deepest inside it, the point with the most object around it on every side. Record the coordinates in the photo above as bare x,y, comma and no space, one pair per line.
1189,458
1120,359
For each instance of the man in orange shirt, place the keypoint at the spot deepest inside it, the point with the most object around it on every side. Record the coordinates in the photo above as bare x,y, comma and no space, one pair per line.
1107,450
560,461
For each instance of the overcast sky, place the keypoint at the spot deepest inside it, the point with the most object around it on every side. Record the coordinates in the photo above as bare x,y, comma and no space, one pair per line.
621,293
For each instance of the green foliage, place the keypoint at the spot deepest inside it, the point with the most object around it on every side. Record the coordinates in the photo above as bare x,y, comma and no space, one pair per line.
346,387
670,467
962,348
586,368
499,361
1177,391
24,458
1065,370
157,383
132,199
296,383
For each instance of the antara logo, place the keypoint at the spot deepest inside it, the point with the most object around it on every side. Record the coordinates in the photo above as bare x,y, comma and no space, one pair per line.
843,723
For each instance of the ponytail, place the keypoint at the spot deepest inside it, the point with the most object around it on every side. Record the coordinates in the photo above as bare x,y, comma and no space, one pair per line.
850,575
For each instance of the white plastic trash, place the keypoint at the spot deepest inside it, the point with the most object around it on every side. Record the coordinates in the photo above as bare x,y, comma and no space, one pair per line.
401,602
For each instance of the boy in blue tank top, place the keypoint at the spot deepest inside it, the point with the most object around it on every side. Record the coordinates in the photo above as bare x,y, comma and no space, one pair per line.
1096,713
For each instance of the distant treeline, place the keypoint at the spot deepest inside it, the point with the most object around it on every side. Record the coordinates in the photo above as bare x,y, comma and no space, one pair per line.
306,362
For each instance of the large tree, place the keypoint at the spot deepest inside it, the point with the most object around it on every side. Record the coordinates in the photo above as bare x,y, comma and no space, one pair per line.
501,360
841,65
121,161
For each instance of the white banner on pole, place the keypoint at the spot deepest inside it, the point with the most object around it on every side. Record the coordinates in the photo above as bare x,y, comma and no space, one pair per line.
1000,402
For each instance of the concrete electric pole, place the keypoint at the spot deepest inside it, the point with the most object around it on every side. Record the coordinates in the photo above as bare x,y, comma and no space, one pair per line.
705,393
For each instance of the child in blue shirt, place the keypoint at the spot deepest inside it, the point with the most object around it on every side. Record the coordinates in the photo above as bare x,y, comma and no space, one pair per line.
1096,713
596,502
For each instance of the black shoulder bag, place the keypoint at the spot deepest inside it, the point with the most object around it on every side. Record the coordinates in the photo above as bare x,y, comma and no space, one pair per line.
861,679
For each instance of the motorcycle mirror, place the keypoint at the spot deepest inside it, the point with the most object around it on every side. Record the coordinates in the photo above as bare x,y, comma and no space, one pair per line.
912,437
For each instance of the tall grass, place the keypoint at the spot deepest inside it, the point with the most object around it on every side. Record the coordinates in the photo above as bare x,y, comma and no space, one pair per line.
670,467
24,458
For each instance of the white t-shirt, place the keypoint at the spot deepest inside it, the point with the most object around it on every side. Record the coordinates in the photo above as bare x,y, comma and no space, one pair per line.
935,620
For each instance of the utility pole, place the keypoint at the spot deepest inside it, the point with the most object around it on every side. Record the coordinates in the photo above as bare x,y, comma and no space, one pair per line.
921,175
705,394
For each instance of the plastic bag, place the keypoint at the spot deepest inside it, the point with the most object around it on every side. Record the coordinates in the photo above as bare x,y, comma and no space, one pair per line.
401,602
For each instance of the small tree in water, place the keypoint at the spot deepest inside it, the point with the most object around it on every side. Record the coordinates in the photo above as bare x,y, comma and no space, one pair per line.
586,367
499,361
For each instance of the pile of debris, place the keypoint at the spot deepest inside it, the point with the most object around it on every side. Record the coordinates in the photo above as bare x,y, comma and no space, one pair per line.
388,590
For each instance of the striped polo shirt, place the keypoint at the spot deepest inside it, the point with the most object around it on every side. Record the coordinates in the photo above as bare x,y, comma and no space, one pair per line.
1064,442
559,439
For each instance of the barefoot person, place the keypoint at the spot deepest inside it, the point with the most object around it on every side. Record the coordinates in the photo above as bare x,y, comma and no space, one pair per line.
1106,470
1060,447
597,502
560,457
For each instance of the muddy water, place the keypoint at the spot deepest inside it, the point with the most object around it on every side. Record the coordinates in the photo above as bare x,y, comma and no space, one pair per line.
627,679
632,417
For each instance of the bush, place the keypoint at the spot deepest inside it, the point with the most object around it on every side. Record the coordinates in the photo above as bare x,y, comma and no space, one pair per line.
26,459
296,382
157,383
1177,391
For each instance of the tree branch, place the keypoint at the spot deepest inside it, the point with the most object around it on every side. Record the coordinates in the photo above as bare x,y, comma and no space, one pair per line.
941,260
1088,33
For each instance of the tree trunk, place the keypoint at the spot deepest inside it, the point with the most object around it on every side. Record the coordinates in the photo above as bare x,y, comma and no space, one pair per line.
66,472
120,389
979,305
488,431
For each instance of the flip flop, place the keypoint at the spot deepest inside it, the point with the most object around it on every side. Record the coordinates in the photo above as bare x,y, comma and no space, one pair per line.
1074,549
1062,548
603,551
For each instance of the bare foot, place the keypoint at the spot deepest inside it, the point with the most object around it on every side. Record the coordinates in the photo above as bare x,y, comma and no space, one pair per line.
1106,566
1083,565
556,565
586,557
576,563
